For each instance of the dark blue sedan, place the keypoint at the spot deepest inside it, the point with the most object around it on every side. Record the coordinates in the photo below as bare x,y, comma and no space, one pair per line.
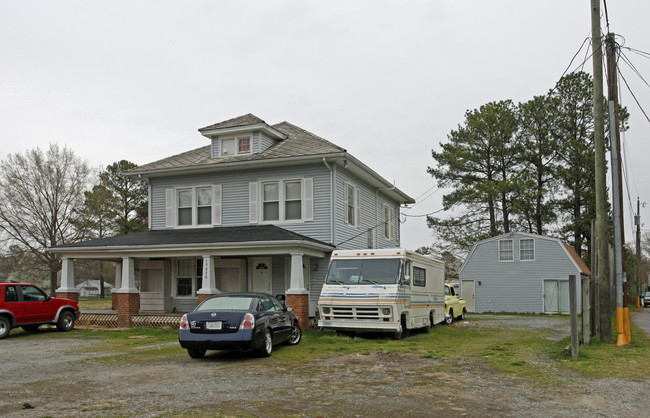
245,321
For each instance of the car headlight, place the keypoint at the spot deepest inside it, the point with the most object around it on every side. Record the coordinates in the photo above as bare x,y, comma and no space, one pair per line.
326,310
386,311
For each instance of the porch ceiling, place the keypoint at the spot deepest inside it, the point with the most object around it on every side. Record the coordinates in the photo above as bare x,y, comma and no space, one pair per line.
218,241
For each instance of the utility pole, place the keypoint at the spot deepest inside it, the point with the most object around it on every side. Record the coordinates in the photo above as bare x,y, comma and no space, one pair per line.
602,267
637,222
622,313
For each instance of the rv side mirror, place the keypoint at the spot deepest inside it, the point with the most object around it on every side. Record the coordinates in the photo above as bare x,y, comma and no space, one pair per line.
407,280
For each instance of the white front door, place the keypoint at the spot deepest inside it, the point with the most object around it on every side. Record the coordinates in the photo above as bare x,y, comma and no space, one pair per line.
261,275
467,292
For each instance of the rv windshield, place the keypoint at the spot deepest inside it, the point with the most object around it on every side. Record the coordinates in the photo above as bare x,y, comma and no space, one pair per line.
364,271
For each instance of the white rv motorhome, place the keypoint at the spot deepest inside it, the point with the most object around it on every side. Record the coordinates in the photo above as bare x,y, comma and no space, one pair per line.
382,290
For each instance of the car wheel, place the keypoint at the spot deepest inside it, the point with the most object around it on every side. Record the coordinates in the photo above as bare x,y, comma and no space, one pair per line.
462,316
30,328
295,336
196,352
431,323
450,317
5,327
267,344
66,321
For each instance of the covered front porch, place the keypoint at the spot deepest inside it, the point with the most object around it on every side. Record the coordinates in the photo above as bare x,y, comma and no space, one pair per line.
174,270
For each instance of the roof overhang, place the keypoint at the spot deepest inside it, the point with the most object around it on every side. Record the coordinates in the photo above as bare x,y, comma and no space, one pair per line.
216,249
342,159
217,242
269,130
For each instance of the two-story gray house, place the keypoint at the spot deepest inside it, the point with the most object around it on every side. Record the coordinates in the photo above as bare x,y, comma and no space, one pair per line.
520,272
259,208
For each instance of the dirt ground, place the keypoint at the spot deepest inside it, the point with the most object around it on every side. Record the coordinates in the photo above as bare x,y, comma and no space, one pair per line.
54,382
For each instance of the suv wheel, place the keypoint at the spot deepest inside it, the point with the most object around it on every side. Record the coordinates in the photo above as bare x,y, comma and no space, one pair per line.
66,321
5,327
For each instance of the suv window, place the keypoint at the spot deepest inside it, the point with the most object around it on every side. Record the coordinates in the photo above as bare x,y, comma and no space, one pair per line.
11,295
32,294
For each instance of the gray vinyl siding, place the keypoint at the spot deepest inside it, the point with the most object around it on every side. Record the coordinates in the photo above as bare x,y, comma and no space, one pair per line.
259,142
262,142
281,270
371,215
234,194
516,286
317,279
214,147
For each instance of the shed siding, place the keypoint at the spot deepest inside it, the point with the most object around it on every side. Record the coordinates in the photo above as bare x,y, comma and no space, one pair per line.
516,286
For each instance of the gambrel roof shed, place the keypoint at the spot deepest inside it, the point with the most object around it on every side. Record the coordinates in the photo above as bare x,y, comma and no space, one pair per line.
520,272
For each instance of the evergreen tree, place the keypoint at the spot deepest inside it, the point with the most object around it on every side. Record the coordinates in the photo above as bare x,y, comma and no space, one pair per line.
131,203
479,163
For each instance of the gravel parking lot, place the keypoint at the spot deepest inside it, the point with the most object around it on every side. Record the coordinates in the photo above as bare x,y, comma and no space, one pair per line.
47,374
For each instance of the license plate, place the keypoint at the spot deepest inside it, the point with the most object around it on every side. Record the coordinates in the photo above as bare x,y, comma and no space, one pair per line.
213,325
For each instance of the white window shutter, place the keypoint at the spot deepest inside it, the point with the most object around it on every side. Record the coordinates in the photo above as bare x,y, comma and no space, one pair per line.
345,203
308,199
216,204
358,203
169,208
252,203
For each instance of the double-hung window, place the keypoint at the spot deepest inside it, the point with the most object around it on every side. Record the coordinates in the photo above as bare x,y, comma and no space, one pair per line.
196,206
351,205
506,250
285,200
527,249
189,276
281,200
235,146
271,201
388,222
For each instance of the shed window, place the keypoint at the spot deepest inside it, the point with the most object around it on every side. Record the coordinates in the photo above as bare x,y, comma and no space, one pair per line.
527,249
506,252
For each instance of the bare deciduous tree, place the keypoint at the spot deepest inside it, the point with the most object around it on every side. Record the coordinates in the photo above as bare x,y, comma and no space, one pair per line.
39,192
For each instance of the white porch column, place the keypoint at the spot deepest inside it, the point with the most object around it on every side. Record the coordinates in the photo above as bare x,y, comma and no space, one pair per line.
118,277
128,276
297,277
67,276
209,282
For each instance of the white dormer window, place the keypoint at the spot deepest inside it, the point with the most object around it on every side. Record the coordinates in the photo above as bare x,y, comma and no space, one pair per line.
235,146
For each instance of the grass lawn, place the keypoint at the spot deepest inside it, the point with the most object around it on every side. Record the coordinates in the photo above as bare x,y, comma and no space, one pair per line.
90,303
529,353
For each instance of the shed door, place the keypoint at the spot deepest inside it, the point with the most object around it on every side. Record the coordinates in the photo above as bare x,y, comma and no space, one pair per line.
556,296
467,293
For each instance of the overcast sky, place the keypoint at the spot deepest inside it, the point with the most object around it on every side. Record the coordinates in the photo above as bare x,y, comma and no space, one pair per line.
387,80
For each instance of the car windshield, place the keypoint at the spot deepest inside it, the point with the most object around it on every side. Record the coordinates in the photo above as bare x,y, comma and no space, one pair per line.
368,271
227,303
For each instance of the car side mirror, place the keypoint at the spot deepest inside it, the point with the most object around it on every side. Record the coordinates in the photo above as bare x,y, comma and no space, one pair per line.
407,280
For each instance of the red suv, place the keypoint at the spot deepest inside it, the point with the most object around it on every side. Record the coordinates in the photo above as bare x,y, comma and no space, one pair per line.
26,305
